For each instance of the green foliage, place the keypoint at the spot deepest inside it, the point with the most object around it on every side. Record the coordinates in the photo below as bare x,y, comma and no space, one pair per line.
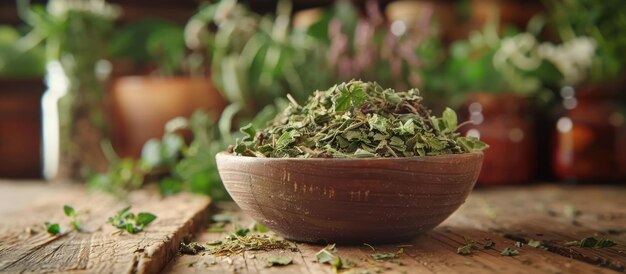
358,119
152,40
131,223
605,22
16,62
255,59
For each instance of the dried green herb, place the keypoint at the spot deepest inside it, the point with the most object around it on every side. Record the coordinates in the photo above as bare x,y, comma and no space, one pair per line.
358,120
328,255
191,248
277,261
535,243
238,244
488,244
469,246
509,252
126,220
387,256
594,243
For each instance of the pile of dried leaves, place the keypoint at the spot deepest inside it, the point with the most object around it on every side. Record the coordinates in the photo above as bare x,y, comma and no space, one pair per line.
358,119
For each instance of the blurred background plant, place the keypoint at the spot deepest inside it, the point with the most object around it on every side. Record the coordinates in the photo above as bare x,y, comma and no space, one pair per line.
519,74
15,62
74,34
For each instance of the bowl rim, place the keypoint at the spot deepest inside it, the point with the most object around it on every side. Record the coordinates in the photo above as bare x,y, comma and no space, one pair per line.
467,155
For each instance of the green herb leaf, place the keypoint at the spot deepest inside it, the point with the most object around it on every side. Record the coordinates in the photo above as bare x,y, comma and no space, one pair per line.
249,131
588,242
144,218
53,229
450,119
465,249
277,261
327,254
509,252
128,221
351,95
69,211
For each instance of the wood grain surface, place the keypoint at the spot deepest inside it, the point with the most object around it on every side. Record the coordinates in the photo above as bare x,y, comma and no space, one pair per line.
26,247
502,215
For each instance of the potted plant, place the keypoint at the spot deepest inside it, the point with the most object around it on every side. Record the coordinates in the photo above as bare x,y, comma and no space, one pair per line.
589,119
177,86
21,82
74,34
498,80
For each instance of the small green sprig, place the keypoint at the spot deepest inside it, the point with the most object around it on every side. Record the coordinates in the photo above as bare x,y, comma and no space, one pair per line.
70,212
55,228
126,220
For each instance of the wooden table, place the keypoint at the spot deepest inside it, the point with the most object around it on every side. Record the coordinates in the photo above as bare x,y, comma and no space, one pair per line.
509,217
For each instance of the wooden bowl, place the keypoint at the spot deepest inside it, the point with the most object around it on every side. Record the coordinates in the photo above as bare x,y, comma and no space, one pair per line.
350,200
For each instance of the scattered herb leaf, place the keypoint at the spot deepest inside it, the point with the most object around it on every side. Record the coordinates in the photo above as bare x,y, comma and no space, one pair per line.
277,261
53,229
488,244
191,248
535,243
387,256
509,252
126,220
594,243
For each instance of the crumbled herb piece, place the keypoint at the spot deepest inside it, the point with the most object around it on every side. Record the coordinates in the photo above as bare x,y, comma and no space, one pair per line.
488,244
519,244
328,255
387,256
240,231
594,243
52,229
509,252
277,261
358,119
241,239
191,248
535,243
469,246
126,220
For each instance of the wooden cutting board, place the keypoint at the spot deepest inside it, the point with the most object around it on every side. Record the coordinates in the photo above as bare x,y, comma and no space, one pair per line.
26,247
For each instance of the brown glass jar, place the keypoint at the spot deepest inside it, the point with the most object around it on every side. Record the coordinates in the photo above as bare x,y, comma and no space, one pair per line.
588,136
504,121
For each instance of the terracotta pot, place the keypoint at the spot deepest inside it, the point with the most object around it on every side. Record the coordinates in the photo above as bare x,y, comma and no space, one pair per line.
143,105
350,200
588,144
20,127
504,122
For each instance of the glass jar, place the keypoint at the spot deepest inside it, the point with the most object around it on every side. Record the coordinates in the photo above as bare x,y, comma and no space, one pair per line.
504,121
587,135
